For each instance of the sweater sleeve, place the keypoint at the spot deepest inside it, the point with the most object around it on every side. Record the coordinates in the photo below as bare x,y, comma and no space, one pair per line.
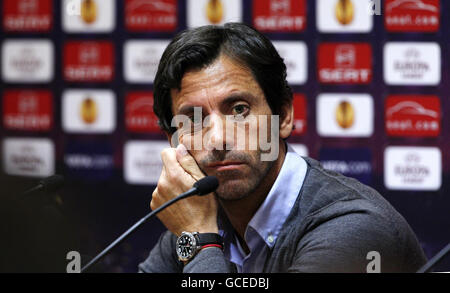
343,244
163,259
208,260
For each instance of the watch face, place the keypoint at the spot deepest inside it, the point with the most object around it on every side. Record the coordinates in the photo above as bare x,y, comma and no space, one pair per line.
186,246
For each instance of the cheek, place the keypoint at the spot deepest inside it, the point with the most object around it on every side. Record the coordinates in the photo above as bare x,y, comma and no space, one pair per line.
198,155
186,139
260,131
190,140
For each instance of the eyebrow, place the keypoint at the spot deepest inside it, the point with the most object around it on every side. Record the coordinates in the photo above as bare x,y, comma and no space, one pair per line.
238,96
230,99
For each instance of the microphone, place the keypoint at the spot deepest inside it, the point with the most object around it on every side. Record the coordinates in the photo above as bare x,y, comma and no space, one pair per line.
435,260
204,186
48,184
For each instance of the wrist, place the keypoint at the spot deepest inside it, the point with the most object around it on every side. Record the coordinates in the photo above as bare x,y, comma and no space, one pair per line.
204,247
213,228
189,244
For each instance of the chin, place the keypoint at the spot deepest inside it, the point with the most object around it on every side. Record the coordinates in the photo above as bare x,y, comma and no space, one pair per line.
234,189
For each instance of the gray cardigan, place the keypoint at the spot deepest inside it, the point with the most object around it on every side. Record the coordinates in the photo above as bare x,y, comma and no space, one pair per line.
335,222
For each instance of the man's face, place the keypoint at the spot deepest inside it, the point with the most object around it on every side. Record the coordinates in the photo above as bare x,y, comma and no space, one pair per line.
225,91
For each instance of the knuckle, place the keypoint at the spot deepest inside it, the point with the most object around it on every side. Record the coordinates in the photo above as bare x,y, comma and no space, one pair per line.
155,198
155,193
170,176
154,204
163,155
166,153
162,186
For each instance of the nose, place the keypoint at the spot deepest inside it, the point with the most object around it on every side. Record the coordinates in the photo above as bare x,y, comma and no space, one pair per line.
215,136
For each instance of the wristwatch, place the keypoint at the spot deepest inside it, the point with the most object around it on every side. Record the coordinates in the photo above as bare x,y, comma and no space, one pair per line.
190,243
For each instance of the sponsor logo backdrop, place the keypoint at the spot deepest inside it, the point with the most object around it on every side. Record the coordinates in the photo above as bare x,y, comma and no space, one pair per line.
371,101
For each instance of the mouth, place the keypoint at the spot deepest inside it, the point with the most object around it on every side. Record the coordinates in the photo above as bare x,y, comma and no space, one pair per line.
226,165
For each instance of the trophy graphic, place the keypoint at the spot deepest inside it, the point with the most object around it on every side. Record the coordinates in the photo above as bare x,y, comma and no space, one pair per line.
214,11
89,11
345,11
89,110
345,115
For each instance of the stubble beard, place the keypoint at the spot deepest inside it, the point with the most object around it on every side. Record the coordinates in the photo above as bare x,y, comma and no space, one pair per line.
234,185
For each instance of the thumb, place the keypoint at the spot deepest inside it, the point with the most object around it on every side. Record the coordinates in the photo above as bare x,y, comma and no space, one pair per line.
188,163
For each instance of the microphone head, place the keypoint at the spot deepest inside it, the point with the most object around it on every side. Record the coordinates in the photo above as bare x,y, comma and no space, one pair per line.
206,185
52,183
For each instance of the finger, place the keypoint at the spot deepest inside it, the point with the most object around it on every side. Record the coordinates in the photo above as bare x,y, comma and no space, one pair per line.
169,160
174,169
188,162
168,156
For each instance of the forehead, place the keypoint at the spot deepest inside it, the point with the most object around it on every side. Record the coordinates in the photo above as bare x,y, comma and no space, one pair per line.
214,83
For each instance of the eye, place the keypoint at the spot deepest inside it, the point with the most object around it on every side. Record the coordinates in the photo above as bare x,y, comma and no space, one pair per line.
192,118
240,110
195,120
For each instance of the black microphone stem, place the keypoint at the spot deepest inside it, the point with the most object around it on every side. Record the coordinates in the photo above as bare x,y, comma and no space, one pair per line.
49,185
188,193
435,260
31,190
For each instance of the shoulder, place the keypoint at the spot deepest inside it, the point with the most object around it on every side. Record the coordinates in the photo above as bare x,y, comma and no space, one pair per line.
342,220
329,194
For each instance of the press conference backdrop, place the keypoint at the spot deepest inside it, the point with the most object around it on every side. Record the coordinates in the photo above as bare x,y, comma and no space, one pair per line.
371,101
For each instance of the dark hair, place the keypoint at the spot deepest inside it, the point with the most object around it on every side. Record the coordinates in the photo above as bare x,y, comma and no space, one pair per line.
199,47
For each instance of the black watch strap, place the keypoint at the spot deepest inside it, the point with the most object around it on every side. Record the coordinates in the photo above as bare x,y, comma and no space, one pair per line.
209,238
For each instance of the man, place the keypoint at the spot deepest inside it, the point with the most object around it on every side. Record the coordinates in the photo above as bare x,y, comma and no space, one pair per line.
285,214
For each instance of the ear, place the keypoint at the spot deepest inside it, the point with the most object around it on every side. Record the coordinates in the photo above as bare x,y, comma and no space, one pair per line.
286,120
